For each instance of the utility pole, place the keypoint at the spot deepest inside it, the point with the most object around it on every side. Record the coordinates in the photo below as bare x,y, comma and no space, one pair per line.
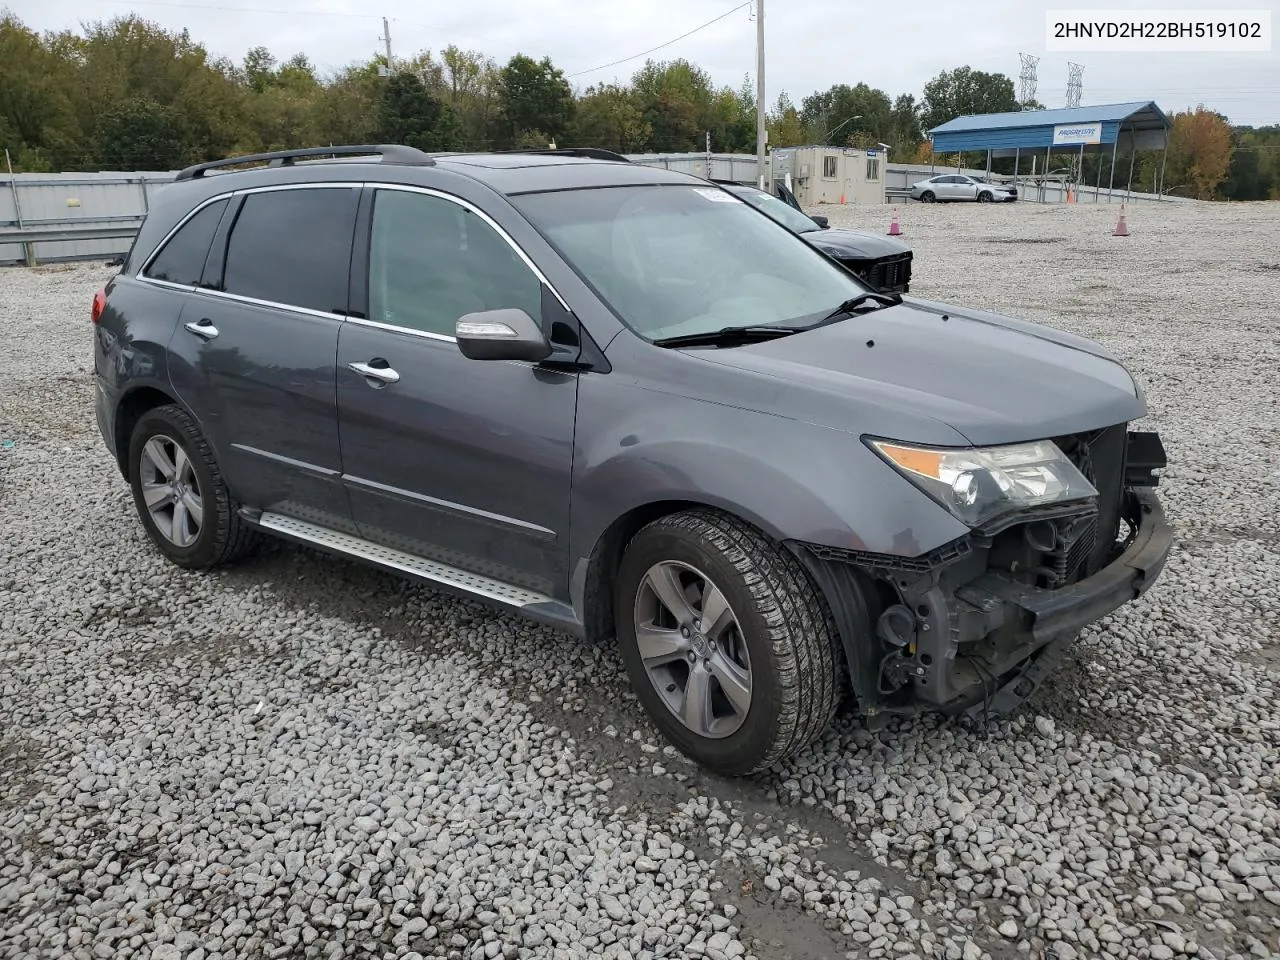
386,38
761,130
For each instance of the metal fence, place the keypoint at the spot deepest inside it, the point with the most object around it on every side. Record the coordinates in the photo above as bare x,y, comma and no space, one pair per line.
87,216
73,216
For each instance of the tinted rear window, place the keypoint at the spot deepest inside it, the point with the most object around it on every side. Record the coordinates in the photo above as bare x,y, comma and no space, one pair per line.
293,247
181,260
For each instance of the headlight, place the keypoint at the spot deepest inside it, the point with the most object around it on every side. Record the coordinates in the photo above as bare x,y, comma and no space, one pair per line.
979,483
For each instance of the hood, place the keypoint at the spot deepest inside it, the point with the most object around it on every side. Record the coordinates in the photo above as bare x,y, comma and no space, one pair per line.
903,371
857,244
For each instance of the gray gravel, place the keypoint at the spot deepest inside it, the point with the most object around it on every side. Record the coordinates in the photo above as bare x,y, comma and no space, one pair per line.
303,757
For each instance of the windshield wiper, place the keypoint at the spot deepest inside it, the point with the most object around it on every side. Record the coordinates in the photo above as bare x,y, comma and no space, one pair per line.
851,305
728,336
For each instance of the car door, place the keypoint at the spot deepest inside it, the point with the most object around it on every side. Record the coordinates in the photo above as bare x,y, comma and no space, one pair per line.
253,353
966,188
461,461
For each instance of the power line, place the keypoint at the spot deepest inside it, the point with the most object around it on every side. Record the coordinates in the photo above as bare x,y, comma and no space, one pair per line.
637,56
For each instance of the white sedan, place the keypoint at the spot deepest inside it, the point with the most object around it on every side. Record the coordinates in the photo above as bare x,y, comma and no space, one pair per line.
951,186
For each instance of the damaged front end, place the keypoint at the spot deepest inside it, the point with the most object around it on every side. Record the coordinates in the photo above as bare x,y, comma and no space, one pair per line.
975,625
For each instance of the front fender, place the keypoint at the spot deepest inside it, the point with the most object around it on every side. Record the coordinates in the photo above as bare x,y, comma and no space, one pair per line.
794,480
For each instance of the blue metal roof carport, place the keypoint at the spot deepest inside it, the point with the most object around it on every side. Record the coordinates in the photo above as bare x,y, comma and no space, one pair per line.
1142,124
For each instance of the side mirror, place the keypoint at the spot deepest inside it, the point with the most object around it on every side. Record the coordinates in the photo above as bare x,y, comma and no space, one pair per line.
508,334
820,220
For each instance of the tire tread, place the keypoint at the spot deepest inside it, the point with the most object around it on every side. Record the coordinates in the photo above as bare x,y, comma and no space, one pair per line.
801,630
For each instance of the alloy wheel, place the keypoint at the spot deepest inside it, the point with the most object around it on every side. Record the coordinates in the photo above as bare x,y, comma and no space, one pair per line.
171,490
692,649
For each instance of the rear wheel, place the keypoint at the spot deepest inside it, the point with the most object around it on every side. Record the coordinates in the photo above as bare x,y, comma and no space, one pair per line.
726,640
179,493
928,196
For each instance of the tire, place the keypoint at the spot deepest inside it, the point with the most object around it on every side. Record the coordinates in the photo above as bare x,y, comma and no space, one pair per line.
928,197
984,197
778,626
166,441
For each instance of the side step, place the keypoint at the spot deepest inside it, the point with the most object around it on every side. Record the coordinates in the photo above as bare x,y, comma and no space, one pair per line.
430,570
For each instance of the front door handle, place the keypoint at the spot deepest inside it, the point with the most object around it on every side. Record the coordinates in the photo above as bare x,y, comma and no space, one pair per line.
382,372
204,329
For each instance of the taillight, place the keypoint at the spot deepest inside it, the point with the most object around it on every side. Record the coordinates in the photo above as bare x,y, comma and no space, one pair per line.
99,303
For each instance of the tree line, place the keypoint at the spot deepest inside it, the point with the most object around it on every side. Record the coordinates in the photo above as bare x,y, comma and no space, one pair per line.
127,94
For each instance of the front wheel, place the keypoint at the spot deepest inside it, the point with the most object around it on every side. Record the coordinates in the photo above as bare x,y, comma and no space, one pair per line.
180,495
984,197
727,642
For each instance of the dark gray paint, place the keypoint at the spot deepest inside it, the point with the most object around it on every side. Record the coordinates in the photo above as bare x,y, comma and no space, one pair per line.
463,461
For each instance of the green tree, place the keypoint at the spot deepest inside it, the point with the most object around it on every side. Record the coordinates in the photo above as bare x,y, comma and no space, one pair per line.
38,121
409,114
675,100
535,96
140,134
786,129
964,91
607,116
472,88
843,112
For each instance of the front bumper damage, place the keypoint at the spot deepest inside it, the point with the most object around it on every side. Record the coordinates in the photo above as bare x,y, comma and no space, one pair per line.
975,626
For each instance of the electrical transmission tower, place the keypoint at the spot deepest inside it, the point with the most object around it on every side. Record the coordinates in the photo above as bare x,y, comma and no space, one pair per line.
1027,79
1075,74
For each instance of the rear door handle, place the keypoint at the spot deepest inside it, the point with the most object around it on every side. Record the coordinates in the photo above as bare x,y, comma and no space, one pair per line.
381,373
204,329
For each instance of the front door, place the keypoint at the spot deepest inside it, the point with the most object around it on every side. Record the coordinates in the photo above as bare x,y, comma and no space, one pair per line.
465,462
253,352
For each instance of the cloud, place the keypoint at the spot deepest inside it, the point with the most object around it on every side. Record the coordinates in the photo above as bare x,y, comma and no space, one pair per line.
809,46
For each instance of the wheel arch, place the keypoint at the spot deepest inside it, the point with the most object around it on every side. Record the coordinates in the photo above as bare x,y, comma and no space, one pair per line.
601,565
133,406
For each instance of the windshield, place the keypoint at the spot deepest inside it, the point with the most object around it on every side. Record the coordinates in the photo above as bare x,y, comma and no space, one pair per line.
676,260
783,212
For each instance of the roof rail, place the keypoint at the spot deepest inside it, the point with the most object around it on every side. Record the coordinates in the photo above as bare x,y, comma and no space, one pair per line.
592,153
389,152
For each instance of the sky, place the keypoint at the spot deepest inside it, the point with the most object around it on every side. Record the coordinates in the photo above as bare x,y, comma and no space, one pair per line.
810,44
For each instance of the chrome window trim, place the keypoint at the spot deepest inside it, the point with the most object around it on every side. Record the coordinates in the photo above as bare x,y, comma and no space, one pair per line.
141,277
393,328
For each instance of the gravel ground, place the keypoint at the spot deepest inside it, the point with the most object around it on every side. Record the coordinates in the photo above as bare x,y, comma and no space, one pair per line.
301,757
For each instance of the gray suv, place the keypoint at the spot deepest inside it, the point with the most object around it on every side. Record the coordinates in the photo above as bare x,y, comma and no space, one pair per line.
625,402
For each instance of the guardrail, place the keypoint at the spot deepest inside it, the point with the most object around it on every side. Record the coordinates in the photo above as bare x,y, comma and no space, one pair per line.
29,236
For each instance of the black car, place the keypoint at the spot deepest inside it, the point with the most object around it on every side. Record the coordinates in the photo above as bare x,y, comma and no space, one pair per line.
883,262
619,400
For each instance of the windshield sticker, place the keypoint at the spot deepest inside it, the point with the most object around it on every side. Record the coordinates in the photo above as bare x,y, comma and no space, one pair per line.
719,196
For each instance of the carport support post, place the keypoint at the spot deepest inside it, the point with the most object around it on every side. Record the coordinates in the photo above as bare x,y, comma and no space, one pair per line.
988,164
1133,152
1163,157
1097,187
1016,152
1111,184
1044,179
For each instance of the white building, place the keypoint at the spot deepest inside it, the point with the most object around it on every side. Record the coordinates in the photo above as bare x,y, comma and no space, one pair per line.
821,174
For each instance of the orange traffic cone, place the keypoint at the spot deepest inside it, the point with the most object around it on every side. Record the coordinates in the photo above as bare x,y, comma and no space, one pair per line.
1071,195
894,229
1122,229
842,196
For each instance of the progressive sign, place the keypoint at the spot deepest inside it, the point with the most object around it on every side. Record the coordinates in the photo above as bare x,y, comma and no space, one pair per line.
1065,134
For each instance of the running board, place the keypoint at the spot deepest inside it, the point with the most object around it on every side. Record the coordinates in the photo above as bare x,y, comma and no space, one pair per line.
430,570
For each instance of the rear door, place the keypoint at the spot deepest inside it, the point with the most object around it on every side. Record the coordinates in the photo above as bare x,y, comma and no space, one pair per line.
461,461
253,353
